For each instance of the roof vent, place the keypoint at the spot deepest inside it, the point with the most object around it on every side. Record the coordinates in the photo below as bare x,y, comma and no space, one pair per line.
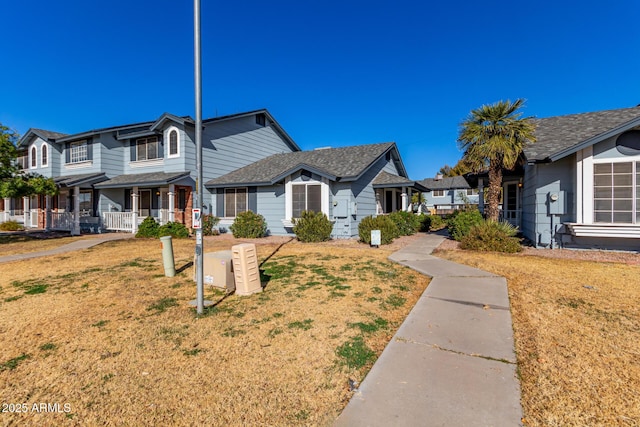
321,148
439,177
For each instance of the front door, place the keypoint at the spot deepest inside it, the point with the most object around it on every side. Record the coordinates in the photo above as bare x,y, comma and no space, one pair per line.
144,205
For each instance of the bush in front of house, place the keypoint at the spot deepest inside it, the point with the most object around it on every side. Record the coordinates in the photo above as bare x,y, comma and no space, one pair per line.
148,228
492,236
388,229
406,222
11,226
249,225
462,221
173,229
433,223
312,227
208,222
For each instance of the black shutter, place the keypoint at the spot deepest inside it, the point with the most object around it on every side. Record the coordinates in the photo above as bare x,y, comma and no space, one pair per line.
220,202
95,197
90,149
67,153
154,198
132,150
160,147
127,199
253,199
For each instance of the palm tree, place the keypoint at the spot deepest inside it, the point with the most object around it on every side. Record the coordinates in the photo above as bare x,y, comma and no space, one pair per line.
492,138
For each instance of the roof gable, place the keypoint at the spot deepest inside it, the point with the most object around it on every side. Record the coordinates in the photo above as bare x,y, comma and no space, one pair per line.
558,137
344,164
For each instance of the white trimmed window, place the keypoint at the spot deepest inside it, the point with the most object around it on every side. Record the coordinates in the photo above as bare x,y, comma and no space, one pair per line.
235,201
147,148
34,158
306,197
173,147
438,193
78,152
616,192
44,156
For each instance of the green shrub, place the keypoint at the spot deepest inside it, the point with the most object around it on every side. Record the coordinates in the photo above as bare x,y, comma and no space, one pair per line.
11,226
148,228
431,222
249,225
406,222
461,223
173,229
312,227
208,222
423,221
492,236
388,229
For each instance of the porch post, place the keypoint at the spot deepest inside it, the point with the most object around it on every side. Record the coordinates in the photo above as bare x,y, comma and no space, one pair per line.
47,213
172,202
134,210
75,231
480,196
404,197
27,211
379,210
7,208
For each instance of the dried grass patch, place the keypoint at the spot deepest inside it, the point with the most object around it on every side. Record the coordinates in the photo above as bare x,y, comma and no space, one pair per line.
22,243
576,326
115,339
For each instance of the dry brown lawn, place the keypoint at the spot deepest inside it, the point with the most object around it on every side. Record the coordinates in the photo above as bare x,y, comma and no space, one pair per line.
577,328
21,244
105,333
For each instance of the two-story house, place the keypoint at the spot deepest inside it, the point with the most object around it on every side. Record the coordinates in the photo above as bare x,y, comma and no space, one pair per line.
114,177
447,194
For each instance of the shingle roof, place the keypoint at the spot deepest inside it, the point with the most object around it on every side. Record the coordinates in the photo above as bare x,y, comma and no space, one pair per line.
448,183
148,179
335,163
558,134
81,179
386,179
47,134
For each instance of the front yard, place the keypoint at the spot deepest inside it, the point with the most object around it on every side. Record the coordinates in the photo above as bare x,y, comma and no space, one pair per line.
105,336
576,326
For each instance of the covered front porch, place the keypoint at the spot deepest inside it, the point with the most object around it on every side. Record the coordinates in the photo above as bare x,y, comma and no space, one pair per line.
510,198
126,200
394,193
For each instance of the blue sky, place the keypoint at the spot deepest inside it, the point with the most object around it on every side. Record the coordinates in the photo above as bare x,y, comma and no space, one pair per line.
333,73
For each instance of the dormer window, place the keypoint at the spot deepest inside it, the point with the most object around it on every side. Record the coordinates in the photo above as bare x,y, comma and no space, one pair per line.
34,157
45,155
174,147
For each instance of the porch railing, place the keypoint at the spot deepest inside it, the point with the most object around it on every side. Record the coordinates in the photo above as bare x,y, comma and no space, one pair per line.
164,216
34,218
4,217
118,221
62,221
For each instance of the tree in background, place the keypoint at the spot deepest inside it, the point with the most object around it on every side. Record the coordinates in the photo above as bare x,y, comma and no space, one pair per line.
15,182
461,168
493,137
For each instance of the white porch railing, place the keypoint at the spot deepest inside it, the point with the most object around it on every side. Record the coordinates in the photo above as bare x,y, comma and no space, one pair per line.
4,217
118,221
34,218
62,221
164,216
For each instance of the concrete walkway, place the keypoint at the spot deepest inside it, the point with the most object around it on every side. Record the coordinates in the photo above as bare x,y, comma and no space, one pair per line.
89,241
452,362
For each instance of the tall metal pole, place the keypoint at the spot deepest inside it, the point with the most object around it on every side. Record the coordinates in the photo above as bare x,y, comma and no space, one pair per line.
199,186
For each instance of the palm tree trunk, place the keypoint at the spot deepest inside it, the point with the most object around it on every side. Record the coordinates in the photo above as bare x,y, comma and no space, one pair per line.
493,192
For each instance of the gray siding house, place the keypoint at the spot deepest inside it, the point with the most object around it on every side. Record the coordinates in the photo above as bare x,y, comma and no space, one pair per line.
580,183
347,184
112,178
447,194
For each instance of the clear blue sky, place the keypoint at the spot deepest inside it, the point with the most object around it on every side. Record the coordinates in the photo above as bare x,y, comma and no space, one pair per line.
333,73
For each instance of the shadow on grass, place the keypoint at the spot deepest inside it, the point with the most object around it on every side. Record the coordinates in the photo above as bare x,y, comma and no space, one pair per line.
264,277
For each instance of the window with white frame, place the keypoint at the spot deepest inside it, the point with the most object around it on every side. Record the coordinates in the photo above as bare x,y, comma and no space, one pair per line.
616,191
306,197
472,191
174,146
44,155
438,193
235,201
34,157
147,148
78,152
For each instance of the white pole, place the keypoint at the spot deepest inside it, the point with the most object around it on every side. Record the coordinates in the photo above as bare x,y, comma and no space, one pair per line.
199,185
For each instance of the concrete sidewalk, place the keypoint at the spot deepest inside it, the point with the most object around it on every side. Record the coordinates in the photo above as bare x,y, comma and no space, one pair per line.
452,362
89,241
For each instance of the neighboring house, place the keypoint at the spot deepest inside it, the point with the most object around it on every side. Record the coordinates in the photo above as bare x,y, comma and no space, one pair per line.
580,184
347,184
445,195
112,178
